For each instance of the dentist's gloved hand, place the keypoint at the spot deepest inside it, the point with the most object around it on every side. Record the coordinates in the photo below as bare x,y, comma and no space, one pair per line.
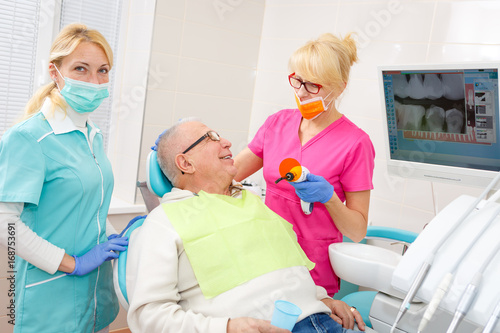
98,255
313,189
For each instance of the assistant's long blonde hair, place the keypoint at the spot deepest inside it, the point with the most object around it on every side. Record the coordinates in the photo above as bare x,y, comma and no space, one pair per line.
326,60
65,43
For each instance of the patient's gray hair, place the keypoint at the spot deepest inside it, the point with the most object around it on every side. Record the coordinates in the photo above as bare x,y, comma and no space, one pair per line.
168,147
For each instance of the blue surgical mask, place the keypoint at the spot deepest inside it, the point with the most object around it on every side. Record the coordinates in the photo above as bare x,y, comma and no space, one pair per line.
82,96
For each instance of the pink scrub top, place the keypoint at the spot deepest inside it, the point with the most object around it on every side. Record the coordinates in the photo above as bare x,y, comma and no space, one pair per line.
342,153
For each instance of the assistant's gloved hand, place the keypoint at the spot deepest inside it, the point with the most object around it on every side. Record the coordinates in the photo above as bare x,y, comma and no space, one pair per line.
98,255
155,147
313,189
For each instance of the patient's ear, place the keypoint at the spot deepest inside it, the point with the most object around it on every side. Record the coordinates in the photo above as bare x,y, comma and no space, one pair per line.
184,163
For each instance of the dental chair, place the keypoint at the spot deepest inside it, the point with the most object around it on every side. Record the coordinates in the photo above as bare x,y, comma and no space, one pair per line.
158,185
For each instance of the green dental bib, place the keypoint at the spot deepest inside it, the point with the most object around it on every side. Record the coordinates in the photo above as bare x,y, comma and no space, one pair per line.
230,241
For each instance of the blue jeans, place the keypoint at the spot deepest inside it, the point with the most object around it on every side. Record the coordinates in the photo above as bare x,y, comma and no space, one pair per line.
319,323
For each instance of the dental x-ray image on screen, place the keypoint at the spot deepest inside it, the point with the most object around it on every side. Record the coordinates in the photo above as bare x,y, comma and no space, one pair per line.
440,118
430,102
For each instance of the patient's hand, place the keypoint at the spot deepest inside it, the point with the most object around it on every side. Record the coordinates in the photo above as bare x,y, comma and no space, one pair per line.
251,325
342,314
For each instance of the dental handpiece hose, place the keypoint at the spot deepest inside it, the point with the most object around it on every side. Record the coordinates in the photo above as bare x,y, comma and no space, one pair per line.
471,291
465,302
426,265
424,269
448,278
490,325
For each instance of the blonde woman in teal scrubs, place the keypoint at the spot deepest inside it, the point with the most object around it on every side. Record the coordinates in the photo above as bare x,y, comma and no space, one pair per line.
56,185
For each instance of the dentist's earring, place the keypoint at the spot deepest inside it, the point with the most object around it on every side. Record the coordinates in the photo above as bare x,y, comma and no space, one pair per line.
55,82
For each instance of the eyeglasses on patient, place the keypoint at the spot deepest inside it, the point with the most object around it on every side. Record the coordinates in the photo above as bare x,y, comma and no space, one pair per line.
214,136
312,88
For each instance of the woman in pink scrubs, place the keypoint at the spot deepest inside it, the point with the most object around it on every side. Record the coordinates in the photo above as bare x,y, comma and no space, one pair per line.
338,154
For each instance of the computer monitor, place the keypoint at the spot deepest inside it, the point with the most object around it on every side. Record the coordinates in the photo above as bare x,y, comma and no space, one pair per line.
442,121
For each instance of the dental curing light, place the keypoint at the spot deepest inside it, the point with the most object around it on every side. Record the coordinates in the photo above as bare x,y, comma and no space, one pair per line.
291,170
427,263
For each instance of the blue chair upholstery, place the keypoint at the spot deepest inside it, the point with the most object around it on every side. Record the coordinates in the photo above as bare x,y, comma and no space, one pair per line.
120,268
159,185
362,300
390,234
156,180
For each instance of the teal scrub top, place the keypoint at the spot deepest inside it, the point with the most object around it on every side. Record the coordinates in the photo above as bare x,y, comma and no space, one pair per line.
47,164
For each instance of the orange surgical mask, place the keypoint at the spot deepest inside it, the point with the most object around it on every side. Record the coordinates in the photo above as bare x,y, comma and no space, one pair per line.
312,108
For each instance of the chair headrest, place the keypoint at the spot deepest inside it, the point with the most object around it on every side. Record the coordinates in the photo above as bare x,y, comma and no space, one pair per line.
156,180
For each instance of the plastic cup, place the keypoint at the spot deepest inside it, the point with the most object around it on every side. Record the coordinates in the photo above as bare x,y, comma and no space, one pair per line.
285,314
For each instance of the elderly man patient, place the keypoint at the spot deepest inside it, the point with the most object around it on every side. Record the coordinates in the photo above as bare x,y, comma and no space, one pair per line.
212,257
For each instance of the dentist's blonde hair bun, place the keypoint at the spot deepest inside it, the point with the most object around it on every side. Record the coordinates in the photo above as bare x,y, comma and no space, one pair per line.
326,60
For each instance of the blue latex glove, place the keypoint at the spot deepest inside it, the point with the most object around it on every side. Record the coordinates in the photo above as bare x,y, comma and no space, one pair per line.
155,147
314,189
98,255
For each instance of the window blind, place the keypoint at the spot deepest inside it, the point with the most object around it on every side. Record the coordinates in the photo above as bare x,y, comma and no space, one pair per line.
18,43
103,16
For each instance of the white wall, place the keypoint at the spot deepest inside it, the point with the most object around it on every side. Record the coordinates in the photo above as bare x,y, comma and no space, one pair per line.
132,60
389,32
204,54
